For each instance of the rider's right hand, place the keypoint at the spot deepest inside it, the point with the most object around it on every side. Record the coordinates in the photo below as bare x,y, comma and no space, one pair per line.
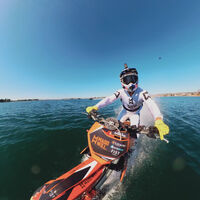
162,128
90,108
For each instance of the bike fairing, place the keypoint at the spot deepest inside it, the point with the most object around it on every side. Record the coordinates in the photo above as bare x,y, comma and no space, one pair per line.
81,180
108,150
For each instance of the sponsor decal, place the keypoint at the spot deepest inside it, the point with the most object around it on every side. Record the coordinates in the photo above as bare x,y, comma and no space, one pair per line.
117,94
100,142
118,144
117,148
84,183
115,152
146,95
131,101
120,134
51,194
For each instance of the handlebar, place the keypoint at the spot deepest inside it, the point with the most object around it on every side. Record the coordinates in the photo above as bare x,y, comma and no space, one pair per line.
113,124
94,115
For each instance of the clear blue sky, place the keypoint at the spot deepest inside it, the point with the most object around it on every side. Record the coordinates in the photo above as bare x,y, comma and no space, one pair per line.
77,48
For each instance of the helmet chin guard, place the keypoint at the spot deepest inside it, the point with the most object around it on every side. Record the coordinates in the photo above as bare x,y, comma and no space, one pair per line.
130,87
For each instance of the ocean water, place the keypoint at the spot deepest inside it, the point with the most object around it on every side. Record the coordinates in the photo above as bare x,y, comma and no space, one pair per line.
41,140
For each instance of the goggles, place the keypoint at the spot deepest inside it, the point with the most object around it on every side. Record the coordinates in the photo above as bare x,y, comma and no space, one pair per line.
130,78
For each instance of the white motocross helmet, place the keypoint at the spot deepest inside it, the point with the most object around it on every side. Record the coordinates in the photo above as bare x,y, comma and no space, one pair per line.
129,78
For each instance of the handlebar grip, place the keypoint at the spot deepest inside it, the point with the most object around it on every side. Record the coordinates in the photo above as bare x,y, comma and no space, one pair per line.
93,114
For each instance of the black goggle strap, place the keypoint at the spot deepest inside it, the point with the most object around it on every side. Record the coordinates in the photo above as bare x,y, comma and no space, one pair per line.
129,74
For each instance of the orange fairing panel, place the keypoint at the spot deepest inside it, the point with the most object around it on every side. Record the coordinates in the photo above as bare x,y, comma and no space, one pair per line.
104,147
94,171
95,127
71,184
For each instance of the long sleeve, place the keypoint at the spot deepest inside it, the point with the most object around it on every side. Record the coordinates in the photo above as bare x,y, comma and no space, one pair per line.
108,100
152,106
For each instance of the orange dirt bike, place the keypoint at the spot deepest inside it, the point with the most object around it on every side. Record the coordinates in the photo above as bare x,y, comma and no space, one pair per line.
109,143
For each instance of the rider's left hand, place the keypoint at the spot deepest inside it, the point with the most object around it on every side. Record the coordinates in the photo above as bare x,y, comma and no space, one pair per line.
162,128
90,108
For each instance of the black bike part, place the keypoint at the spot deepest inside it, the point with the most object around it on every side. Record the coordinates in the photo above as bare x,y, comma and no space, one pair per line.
86,151
119,166
152,131
133,130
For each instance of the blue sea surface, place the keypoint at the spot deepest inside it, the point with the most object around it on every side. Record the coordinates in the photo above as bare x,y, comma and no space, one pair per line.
40,140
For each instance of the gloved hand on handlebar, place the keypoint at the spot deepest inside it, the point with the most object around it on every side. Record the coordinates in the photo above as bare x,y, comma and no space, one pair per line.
90,108
162,128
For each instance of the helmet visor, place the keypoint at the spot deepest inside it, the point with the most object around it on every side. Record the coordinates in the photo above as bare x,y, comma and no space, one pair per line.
130,79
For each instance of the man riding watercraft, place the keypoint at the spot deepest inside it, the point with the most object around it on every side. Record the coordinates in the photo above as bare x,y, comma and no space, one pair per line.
109,145
108,150
132,98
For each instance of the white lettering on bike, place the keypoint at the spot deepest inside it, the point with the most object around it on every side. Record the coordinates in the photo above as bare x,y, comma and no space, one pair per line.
115,152
118,144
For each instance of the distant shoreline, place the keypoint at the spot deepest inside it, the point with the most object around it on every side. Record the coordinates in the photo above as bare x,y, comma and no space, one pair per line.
179,94
10,100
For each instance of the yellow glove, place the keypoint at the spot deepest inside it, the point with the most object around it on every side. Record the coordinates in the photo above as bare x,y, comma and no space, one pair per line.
90,108
162,128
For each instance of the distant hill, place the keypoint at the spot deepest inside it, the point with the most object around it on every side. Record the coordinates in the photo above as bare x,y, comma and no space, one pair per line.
9,100
181,94
4,100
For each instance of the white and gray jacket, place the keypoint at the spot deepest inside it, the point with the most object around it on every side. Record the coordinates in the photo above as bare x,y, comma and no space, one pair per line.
132,104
